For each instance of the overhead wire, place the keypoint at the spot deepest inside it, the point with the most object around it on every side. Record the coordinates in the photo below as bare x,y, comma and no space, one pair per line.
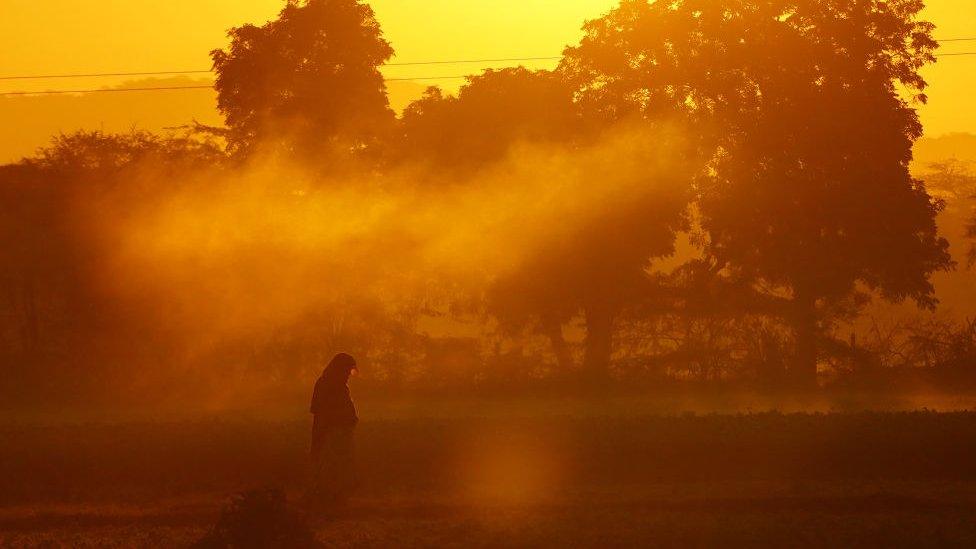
205,71
390,64
401,64
197,87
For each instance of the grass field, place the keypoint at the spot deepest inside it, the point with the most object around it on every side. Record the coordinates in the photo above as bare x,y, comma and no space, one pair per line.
861,479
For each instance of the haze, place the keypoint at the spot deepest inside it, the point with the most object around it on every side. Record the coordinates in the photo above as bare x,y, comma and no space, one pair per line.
75,36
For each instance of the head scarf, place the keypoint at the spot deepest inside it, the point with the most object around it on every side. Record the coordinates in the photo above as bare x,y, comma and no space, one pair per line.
339,367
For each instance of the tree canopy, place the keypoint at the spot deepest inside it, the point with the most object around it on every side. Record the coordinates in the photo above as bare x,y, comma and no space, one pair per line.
306,83
808,188
775,134
492,112
598,266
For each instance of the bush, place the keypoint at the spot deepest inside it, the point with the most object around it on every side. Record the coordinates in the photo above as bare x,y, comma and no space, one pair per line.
259,519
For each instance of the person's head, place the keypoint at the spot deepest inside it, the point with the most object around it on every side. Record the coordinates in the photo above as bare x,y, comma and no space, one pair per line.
341,366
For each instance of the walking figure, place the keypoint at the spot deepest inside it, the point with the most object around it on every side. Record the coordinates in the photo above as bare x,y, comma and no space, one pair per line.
334,420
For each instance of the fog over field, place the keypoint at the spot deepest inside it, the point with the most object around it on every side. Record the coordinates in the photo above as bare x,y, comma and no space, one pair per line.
507,274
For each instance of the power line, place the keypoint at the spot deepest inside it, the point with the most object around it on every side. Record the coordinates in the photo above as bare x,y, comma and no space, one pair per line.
202,87
394,64
97,74
414,63
157,73
107,90
454,77
199,87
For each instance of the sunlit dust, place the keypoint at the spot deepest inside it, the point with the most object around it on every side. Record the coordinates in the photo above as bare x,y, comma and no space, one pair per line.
505,466
228,256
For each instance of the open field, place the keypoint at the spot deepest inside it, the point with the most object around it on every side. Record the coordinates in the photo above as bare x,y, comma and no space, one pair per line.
864,479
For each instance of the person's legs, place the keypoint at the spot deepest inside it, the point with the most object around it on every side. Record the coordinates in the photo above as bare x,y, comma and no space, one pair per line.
336,469
317,454
345,455
333,470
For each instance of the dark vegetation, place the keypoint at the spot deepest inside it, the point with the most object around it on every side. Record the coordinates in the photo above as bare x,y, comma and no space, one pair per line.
704,199
259,518
787,146
902,479
453,458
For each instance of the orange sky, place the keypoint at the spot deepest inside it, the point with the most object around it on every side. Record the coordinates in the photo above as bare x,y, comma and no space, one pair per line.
67,36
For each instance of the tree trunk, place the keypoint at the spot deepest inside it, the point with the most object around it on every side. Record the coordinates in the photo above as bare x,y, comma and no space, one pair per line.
553,329
30,324
599,342
805,335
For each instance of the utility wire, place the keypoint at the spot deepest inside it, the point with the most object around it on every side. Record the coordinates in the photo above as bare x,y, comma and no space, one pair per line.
107,90
200,87
394,64
155,73
457,76
97,74
450,62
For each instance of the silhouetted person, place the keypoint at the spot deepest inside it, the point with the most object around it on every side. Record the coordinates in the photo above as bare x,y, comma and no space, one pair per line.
334,419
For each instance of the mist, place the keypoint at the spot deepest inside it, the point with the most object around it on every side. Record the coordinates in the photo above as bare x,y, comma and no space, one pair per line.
200,268
608,225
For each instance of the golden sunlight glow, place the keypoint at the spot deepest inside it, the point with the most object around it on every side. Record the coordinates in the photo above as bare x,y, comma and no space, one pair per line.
77,36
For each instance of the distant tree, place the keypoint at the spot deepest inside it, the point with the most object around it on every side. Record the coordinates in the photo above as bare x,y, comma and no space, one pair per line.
808,191
493,112
598,267
86,154
955,182
307,82
54,311
259,518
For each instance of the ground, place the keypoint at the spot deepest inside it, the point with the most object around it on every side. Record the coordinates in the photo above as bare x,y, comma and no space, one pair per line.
769,479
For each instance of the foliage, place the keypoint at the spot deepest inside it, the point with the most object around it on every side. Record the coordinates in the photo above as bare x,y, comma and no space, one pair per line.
492,113
598,268
306,83
97,154
955,181
774,133
616,477
257,519
54,309
808,187
938,348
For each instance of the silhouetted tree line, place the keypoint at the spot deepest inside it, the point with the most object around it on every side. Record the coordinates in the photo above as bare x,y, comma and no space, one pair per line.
797,122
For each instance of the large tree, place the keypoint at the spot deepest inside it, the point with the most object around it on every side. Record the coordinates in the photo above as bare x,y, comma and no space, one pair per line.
61,328
307,82
808,191
492,112
597,265
956,181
